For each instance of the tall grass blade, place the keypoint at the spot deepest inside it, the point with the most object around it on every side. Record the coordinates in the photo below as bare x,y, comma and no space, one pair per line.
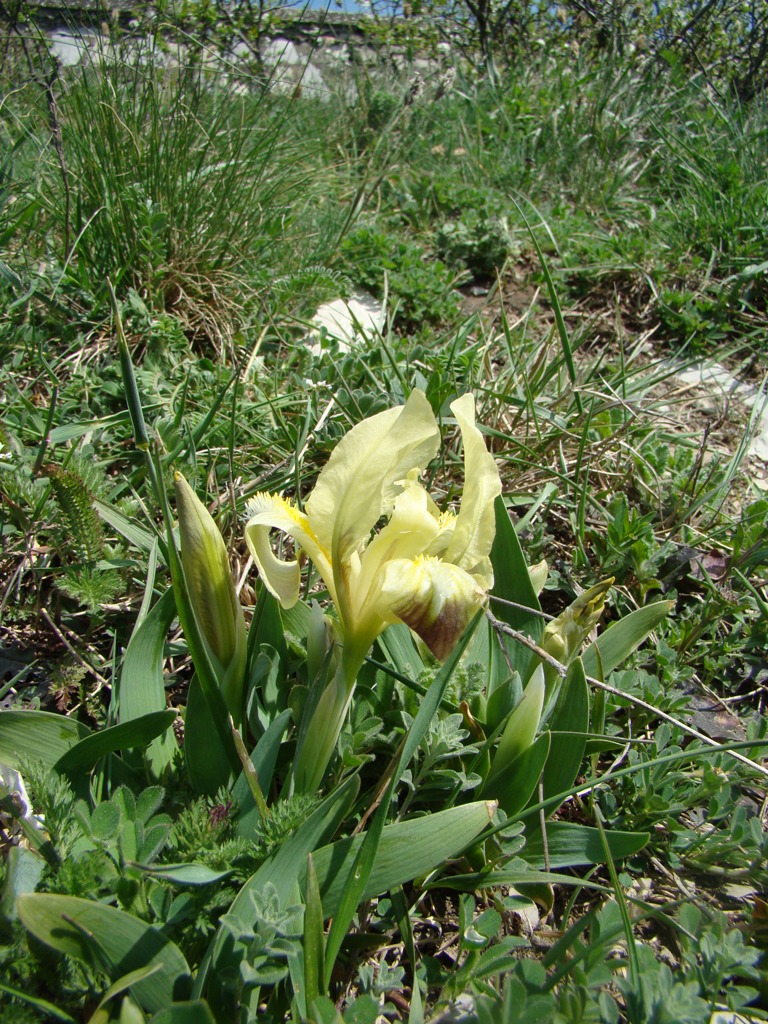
556,308
634,967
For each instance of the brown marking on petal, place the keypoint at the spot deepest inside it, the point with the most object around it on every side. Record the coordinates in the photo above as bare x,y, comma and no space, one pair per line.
442,635
438,616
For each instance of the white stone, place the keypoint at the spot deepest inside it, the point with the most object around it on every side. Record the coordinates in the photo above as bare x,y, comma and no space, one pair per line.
719,380
349,321
313,84
336,54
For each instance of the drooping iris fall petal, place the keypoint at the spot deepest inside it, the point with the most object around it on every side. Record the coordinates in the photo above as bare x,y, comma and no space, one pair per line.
472,537
283,578
435,598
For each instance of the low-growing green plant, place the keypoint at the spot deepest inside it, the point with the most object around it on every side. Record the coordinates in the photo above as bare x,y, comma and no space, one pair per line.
420,290
481,244
629,546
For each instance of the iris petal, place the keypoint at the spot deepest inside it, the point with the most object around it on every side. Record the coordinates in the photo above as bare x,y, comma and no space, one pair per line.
446,525
435,598
408,533
282,578
475,528
364,474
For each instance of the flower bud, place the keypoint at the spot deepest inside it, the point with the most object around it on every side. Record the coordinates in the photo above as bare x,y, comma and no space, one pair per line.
212,594
563,637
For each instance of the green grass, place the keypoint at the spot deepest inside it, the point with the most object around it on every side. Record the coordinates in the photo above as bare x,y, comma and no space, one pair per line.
222,221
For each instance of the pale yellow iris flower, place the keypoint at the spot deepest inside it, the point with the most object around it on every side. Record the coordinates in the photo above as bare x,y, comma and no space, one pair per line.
426,568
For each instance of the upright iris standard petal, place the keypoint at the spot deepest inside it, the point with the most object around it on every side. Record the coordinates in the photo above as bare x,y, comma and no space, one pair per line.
364,473
413,525
472,538
411,529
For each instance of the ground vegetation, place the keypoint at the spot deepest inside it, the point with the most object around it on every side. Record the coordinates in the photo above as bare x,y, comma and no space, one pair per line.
231,794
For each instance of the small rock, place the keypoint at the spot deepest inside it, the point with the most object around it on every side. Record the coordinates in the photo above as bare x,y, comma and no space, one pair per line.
350,321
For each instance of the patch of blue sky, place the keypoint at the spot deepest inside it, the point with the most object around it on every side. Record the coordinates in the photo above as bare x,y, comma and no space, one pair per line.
352,6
